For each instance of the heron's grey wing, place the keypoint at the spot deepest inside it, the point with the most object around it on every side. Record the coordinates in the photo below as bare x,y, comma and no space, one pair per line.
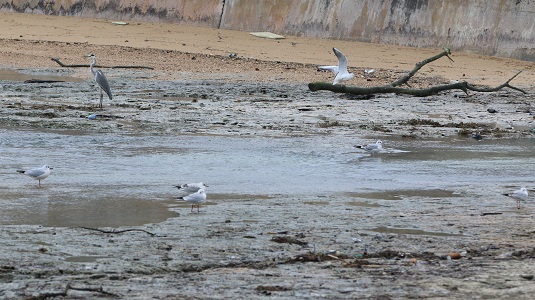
333,69
35,172
342,60
103,83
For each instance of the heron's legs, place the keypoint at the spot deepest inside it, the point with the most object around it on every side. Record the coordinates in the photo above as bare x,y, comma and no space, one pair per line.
100,99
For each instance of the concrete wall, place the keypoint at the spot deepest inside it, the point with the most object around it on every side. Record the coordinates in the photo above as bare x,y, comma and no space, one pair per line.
497,27
202,12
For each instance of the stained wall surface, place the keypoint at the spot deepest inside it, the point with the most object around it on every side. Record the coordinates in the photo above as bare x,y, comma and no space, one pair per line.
501,27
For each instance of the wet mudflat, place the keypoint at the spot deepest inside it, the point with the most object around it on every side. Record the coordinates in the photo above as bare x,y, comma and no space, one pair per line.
294,209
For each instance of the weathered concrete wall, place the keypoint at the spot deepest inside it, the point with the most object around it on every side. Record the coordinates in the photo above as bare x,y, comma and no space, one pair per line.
203,12
500,27
503,28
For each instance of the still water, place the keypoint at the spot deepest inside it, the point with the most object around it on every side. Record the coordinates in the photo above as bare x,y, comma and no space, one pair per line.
125,180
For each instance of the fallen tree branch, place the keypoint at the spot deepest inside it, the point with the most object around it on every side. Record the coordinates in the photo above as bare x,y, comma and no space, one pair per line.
65,291
505,84
42,81
99,290
394,86
99,66
386,89
118,231
405,79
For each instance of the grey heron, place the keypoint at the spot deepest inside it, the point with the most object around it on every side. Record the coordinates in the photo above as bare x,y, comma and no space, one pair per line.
100,79
340,70
191,187
38,173
196,199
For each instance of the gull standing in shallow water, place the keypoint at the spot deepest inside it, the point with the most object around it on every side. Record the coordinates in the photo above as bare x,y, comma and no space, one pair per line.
518,195
191,187
375,147
38,173
341,70
196,199
100,79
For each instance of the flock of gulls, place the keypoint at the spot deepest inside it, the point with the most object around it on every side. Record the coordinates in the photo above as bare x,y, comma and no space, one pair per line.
197,191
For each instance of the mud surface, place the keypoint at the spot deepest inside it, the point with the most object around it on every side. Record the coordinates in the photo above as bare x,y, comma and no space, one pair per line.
294,209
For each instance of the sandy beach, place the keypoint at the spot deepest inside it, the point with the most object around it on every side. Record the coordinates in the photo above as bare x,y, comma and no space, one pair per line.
69,38
315,217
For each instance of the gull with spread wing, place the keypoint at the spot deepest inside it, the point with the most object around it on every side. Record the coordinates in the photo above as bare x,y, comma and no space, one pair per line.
340,70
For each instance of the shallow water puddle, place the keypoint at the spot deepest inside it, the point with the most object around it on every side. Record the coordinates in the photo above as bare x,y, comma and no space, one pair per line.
11,75
85,212
411,231
84,259
362,204
402,194
316,202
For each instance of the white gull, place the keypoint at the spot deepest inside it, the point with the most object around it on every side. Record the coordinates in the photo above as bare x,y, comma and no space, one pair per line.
340,70
37,173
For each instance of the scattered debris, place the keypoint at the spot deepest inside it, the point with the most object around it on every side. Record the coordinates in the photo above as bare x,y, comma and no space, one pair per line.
267,35
288,240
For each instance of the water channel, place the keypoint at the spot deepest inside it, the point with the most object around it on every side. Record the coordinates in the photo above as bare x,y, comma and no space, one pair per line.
121,180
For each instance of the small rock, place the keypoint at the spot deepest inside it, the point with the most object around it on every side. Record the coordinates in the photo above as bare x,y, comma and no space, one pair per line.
491,110
477,136
50,113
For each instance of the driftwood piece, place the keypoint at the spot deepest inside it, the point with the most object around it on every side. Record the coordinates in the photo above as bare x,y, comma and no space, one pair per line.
501,86
385,89
118,231
64,292
394,86
99,66
42,81
419,65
